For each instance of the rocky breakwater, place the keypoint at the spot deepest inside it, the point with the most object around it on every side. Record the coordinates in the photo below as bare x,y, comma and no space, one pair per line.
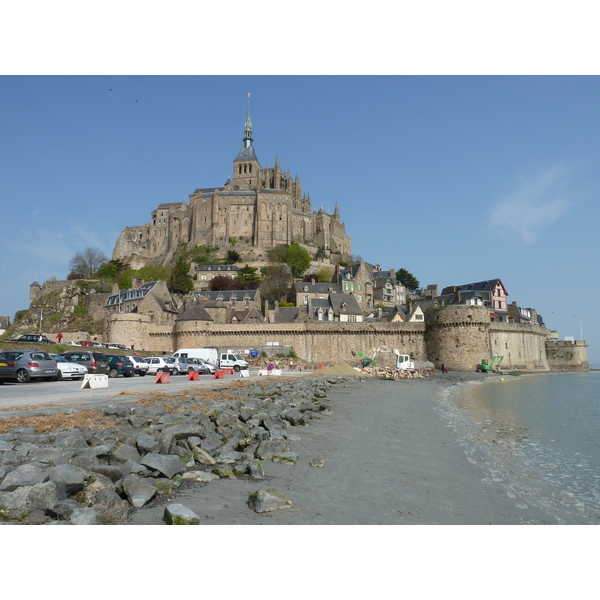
138,451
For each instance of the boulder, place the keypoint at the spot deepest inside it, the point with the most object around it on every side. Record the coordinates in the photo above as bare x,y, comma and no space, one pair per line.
123,453
86,516
267,448
73,478
169,464
178,514
268,500
138,491
18,503
25,475
147,443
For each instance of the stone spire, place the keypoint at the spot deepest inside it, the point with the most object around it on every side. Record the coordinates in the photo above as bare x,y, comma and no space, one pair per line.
248,127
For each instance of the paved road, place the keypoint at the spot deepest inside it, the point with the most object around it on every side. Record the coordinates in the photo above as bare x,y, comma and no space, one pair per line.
41,393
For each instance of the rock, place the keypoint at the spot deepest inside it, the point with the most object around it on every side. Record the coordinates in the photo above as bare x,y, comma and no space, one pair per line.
204,458
317,462
267,448
285,457
268,500
178,514
226,454
86,516
25,475
18,503
224,473
71,477
256,470
200,476
63,509
169,465
123,453
138,491
147,443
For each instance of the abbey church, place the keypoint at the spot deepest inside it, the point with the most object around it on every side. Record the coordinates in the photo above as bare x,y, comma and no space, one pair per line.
257,209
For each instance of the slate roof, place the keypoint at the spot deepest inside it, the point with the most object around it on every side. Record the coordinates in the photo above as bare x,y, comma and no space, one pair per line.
225,295
344,304
131,295
480,286
194,312
316,288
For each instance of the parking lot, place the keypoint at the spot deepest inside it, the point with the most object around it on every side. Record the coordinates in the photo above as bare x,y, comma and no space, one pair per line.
39,393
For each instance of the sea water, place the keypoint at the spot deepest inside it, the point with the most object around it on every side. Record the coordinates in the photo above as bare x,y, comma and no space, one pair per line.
542,436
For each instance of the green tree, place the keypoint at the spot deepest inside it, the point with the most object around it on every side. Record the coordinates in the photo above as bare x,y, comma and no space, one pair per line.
109,271
277,254
232,257
179,281
248,278
407,279
298,260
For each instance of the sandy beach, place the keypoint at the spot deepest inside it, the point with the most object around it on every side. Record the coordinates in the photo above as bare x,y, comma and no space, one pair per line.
391,456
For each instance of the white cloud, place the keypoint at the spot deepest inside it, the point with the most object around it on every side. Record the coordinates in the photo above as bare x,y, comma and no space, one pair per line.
537,203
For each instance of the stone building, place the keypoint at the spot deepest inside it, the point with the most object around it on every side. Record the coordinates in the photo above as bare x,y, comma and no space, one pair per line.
257,209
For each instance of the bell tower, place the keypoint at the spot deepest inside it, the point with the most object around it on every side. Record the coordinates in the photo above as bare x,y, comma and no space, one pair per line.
246,167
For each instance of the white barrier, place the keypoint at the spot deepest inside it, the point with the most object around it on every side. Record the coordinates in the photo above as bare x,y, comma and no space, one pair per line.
94,381
263,372
244,373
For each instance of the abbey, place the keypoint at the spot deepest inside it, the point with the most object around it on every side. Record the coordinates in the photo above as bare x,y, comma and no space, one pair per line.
257,209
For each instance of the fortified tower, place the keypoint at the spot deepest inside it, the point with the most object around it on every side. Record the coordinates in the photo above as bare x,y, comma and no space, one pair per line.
457,336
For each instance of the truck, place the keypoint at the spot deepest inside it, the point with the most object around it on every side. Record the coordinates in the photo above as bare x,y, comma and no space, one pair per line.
229,360
210,355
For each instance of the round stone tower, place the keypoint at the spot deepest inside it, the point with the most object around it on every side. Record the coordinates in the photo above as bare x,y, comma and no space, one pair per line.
457,336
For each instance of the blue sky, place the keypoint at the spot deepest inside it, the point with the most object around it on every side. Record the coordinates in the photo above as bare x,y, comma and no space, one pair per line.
455,178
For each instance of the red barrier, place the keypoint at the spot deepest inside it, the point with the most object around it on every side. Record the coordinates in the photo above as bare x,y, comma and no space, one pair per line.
218,375
163,377
227,371
193,376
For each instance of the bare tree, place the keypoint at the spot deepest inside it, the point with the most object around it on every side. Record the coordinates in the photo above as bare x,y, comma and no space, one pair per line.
85,264
277,283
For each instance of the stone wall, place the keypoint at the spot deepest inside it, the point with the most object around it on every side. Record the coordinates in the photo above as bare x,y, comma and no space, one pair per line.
312,342
457,336
567,355
523,346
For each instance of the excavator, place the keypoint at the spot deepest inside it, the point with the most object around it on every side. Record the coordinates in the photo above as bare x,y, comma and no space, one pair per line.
366,361
488,365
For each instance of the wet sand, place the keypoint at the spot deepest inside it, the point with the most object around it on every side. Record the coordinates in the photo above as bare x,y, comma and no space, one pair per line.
390,457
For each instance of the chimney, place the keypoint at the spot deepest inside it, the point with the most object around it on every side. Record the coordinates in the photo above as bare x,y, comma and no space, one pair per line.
392,273
137,283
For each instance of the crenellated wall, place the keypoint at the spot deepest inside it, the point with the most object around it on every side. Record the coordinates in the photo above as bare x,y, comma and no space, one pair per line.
523,346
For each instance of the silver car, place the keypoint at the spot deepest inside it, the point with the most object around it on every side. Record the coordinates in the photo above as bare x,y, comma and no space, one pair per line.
31,364
179,364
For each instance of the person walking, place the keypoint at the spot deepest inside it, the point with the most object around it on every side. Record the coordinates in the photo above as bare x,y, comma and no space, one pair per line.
59,337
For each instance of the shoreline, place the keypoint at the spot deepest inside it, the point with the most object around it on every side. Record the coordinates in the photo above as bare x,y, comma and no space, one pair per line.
390,452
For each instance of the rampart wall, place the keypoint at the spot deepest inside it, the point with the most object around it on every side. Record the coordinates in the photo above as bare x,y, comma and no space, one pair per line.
567,355
311,342
458,337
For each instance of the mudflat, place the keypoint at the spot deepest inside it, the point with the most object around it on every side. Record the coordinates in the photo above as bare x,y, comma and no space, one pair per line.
388,456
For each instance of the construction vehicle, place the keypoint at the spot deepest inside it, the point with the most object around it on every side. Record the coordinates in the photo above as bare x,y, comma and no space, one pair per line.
489,365
403,361
366,361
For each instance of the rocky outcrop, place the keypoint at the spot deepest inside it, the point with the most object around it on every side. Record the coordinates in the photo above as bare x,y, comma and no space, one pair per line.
96,476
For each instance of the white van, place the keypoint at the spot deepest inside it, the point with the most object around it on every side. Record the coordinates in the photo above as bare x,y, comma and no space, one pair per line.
227,360
208,354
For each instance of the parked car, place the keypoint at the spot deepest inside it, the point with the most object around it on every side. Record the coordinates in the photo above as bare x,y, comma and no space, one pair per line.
8,369
31,364
119,365
95,362
197,364
85,344
140,366
116,346
179,364
157,363
68,369
33,339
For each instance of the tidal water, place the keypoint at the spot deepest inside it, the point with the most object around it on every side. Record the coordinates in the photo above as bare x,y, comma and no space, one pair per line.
542,436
